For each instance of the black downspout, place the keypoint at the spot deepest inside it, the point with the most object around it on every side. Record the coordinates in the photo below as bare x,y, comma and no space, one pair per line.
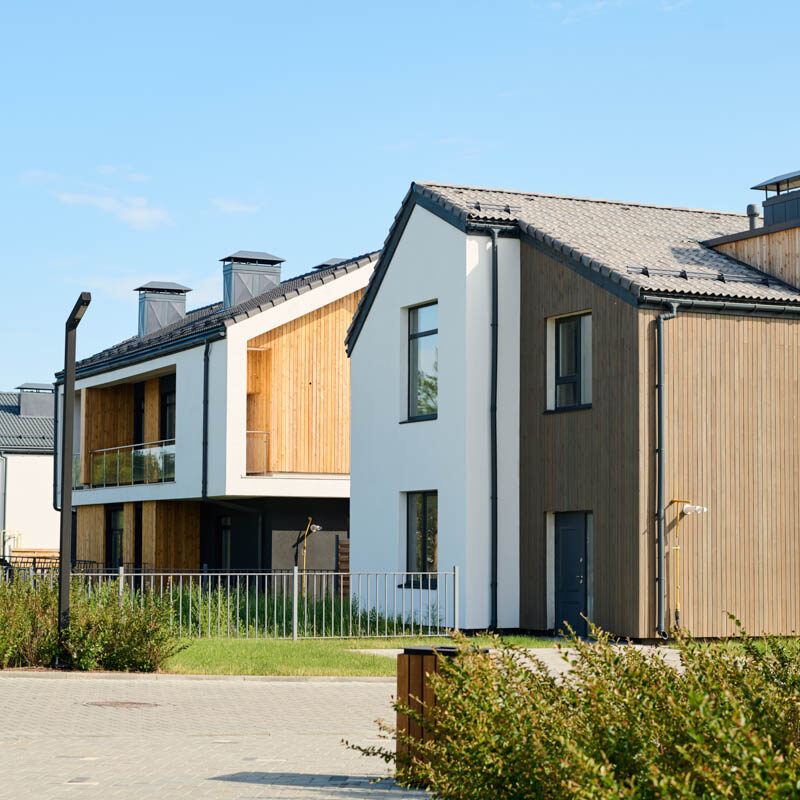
205,419
493,436
56,505
671,314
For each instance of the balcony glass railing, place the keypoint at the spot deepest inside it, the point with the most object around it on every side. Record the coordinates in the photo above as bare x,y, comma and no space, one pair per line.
149,462
257,452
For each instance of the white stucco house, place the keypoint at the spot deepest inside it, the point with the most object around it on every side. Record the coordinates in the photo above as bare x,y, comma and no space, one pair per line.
28,521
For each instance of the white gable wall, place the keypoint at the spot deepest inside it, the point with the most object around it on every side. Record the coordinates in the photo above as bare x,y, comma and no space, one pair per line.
29,501
436,261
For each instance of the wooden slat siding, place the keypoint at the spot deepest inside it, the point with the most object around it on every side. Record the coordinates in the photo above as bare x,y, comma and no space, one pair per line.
298,389
128,535
84,437
776,253
429,667
109,417
149,533
580,460
91,534
416,685
152,411
731,385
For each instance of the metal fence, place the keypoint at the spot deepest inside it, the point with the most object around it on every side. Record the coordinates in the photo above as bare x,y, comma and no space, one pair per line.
289,604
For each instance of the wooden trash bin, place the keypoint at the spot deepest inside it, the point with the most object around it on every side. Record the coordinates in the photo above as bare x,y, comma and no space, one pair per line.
414,665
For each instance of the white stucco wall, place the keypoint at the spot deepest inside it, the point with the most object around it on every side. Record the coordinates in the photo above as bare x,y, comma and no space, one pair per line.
436,261
29,501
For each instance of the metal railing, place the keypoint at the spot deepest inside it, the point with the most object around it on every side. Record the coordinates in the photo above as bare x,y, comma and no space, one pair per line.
257,453
148,462
288,604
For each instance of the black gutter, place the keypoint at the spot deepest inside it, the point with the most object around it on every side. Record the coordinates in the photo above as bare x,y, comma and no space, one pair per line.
660,479
145,354
720,306
205,419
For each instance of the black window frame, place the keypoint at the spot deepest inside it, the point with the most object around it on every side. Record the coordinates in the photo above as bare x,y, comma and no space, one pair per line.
412,387
168,402
576,377
420,581
115,535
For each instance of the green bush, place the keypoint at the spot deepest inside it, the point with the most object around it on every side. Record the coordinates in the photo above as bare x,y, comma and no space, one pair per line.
623,725
104,633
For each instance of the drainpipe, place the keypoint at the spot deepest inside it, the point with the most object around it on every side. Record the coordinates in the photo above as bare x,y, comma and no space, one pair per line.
206,350
3,480
56,505
671,314
493,437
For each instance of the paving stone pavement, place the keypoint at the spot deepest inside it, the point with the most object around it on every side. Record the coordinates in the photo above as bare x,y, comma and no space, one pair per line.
60,738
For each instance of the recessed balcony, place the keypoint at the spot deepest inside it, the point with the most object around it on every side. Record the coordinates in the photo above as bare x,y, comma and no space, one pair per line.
128,465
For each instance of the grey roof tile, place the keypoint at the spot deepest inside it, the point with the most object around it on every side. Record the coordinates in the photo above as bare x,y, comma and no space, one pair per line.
214,317
31,434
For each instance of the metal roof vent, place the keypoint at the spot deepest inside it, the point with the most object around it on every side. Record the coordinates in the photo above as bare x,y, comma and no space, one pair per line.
784,204
247,274
331,262
36,400
160,304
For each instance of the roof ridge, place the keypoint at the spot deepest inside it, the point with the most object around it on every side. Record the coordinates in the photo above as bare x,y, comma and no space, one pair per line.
430,185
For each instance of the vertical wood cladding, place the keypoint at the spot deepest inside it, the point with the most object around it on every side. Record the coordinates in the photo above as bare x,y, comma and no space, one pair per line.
731,389
91,535
170,534
108,417
152,411
584,460
298,390
776,253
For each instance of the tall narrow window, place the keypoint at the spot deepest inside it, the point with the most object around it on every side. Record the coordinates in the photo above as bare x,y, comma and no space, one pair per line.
423,361
167,391
115,528
569,361
224,543
423,533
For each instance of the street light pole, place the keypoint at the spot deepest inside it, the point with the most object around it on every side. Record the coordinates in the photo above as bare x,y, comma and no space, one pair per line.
67,435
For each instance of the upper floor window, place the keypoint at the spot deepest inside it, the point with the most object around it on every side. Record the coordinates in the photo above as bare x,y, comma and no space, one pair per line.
569,356
423,361
167,415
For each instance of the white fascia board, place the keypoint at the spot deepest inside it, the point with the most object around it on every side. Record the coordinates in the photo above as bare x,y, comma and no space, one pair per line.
238,336
294,485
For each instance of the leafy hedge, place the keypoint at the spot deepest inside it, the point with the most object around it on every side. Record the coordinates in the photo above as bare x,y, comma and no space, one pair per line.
623,725
103,633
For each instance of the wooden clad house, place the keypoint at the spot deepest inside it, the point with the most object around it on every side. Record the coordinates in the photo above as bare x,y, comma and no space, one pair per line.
612,430
210,438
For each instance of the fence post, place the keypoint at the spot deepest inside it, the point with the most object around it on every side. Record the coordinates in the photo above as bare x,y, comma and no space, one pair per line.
455,598
294,602
121,583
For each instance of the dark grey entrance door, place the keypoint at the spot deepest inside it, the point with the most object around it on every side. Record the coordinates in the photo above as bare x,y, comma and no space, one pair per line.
570,582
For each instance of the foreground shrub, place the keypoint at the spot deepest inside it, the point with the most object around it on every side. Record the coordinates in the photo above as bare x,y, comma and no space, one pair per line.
104,633
623,725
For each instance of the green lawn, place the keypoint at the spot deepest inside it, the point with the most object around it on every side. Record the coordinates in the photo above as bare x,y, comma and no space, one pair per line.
303,657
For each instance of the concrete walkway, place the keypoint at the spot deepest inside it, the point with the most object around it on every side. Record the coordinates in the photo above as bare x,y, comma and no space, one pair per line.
168,737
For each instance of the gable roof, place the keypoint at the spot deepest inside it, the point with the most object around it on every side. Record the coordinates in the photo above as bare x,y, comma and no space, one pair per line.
23,434
210,322
641,250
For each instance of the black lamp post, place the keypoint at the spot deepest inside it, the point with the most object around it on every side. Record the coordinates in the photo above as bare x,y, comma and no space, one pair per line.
67,431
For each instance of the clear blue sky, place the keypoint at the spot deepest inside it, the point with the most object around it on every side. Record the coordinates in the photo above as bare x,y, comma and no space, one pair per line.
148,144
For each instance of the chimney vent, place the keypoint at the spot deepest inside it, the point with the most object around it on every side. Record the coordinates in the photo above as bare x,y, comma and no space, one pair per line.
753,212
784,205
247,274
160,304
36,400
329,263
